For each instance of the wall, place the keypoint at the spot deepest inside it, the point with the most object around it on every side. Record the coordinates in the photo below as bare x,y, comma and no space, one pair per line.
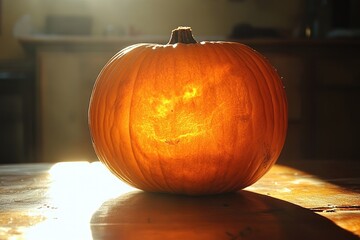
206,17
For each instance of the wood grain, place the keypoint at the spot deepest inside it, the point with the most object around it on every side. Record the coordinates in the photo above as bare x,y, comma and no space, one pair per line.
80,200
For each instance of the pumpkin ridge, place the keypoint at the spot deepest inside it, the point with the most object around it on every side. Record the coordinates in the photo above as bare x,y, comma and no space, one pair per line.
218,52
126,73
155,184
264,90
121,171
234,61
221,55
281,101
108,139
265,66
135,157
170,187
253,62
275,94
231,58
216,182
101,121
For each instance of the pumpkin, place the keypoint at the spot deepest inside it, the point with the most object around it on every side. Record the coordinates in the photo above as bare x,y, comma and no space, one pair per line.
188,117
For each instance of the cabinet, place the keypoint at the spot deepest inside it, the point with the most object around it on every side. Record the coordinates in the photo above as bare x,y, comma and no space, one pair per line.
17,105
66,70
65,83
322,80
335,112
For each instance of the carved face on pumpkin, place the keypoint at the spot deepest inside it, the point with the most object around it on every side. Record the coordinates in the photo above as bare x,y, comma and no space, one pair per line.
196,118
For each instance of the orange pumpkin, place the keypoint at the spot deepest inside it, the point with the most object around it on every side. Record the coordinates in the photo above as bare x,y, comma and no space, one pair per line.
188,117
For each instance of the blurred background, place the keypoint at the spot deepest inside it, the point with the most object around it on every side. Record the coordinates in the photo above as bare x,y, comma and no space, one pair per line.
51,52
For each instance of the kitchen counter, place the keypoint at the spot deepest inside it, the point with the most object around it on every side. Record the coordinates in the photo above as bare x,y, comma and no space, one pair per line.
82,200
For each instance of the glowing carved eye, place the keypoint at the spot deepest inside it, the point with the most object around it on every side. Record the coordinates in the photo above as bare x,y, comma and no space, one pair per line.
164,107
189,94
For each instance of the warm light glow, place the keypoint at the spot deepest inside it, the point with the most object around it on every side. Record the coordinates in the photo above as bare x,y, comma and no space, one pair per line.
76,192
165,105
173,106
308,32
191,93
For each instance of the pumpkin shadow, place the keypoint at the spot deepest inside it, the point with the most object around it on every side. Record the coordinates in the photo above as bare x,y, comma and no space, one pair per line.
240,215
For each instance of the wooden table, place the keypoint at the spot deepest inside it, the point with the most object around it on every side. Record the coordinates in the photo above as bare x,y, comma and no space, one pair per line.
81,200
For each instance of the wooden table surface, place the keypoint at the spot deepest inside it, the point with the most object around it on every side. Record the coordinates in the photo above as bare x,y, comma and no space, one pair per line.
82,201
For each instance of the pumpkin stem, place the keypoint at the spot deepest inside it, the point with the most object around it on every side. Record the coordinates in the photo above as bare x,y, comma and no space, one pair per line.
182,35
